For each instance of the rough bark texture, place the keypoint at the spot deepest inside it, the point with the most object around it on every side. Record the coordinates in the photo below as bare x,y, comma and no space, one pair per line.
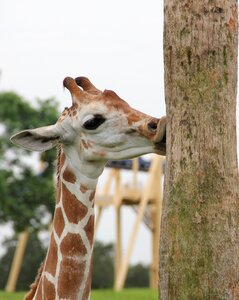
199,256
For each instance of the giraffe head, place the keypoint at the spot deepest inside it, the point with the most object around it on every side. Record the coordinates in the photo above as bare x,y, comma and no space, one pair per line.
99,125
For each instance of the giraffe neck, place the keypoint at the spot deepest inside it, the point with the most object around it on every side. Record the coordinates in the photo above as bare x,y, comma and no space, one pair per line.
67,269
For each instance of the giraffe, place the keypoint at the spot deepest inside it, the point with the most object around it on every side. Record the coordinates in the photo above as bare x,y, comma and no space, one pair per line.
99,126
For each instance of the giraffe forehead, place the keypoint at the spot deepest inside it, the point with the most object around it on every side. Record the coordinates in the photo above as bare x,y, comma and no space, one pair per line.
109,107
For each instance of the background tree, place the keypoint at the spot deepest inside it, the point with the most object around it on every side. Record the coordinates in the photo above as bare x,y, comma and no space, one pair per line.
200,224
138,276
25,195
103,266
34,255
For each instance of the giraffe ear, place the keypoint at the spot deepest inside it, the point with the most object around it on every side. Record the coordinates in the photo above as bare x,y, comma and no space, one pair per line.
39,139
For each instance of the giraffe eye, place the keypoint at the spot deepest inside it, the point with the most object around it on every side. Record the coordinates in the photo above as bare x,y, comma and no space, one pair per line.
94,122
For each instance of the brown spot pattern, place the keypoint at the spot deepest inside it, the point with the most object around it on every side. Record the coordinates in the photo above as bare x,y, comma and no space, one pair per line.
90,144
69,176
92,196
51,260
133,117
83,188
89,229
59,222
62,159
70,278
85,144
75,105
74,209
73,246
99,153
49,290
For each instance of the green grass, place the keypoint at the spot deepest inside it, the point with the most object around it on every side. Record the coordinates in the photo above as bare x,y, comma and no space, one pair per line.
11,296
127,294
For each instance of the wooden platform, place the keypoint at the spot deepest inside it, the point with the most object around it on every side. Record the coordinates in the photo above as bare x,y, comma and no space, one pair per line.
146,202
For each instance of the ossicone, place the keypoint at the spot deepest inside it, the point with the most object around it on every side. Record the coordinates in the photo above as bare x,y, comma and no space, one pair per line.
87,85
76,93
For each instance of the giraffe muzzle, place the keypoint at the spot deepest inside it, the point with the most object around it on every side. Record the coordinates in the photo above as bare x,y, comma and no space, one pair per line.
160,136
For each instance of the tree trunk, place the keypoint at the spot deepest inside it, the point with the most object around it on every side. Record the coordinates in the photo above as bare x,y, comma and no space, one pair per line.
199,255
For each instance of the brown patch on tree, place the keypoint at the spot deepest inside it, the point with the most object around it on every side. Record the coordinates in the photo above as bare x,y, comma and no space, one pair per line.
89,229
73,246
83,188
49,290
69,176
59,222
51,260
232,24
74,209
70,278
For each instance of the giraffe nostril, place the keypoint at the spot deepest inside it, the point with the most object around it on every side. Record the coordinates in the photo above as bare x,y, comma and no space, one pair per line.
152,125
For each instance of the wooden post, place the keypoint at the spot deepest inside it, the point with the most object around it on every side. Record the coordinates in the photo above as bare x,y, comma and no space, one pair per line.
105,194
118,242
135,169
120,280
17,261
98,217
117,203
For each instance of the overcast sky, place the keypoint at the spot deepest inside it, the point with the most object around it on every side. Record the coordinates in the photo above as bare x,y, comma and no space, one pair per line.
117,44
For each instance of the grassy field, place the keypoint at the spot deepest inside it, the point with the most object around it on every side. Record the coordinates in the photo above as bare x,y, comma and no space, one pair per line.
127,294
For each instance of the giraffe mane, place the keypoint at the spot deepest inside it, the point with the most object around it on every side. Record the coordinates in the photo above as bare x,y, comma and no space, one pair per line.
59,151
33,287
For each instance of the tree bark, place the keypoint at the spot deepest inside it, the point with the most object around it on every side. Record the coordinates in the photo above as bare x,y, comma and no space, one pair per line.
199,254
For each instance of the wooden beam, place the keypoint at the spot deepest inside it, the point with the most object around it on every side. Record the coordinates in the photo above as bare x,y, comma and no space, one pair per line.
17,261
118,242
120,280
98,217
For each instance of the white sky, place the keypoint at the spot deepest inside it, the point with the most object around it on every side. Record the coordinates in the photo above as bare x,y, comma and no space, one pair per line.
117,44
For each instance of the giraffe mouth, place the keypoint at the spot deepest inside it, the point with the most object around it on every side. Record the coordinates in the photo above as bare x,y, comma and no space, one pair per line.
160,138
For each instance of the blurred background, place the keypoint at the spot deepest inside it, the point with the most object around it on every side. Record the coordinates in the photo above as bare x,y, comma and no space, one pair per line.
119,46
